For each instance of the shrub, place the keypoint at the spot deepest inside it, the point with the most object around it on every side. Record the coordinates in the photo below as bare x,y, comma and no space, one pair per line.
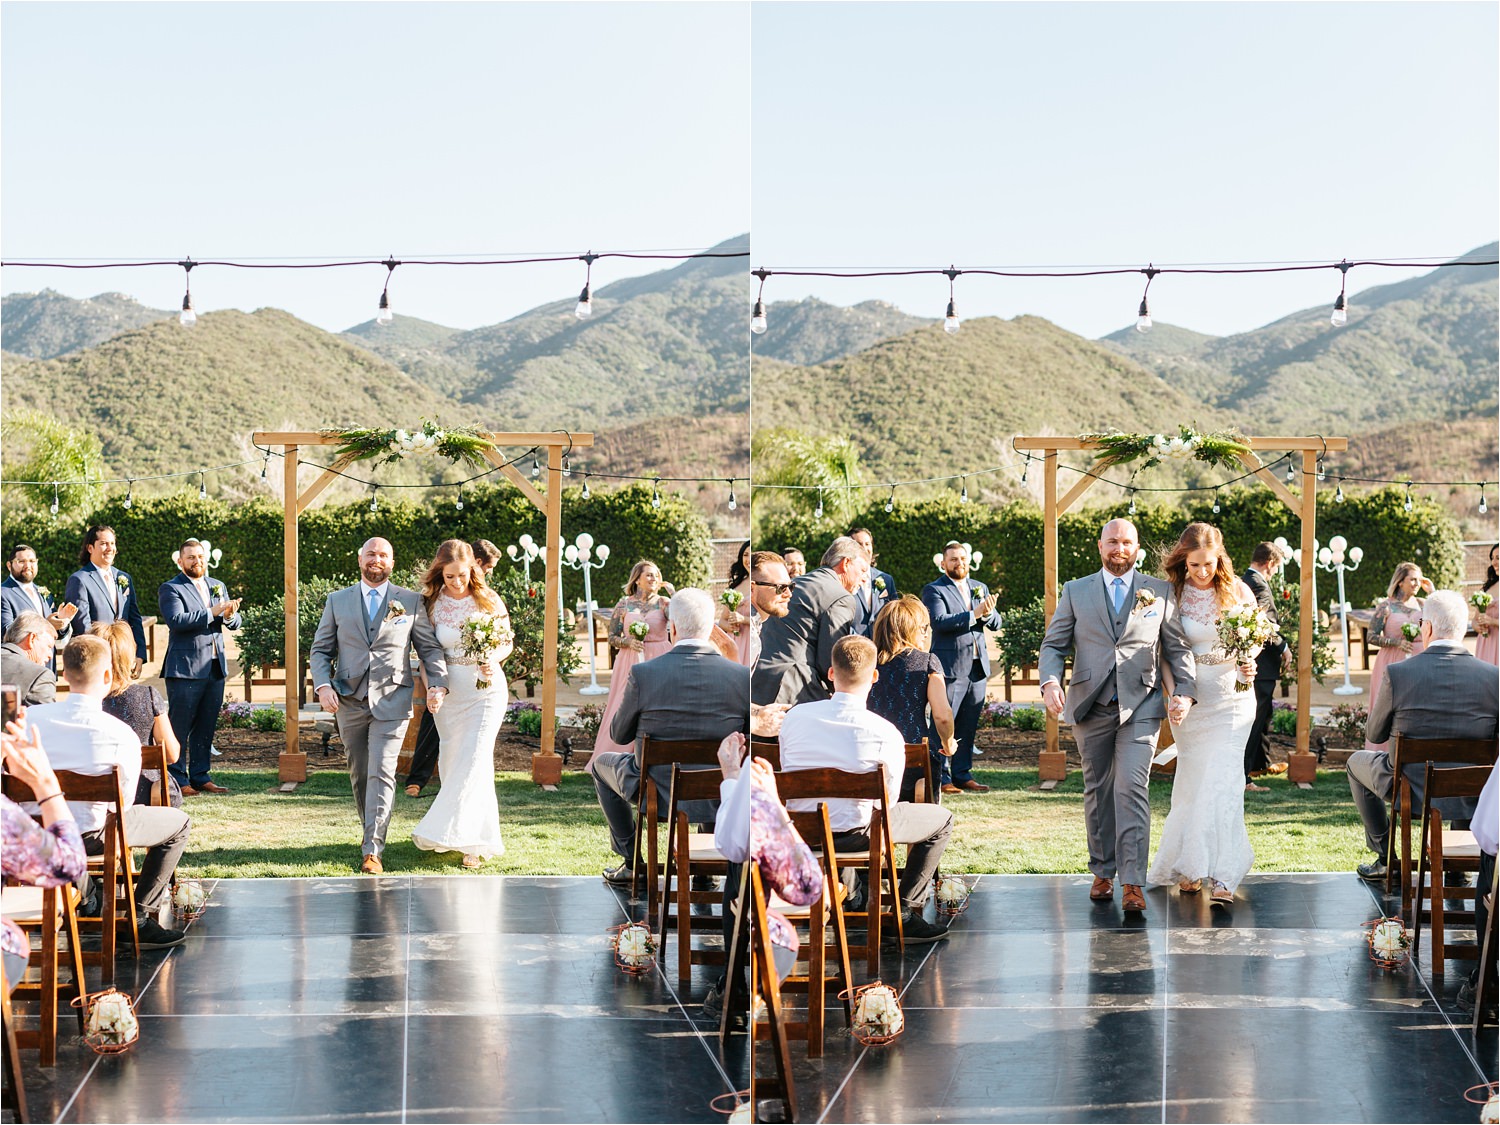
262,634
1029,718
1021,640
528,619
1349,719
268,719
588,717
235,716
1283,719
527,718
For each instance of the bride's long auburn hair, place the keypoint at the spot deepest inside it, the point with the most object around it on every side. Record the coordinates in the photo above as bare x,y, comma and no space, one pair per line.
1202,537
457,551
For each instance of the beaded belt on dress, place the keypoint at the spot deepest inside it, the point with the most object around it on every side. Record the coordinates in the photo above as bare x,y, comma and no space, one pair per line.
1214,657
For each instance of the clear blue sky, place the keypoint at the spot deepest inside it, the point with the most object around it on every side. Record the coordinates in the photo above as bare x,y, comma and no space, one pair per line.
366,129
1121,133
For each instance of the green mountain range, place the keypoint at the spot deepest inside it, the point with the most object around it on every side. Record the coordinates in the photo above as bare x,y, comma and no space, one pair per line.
47,324
812,331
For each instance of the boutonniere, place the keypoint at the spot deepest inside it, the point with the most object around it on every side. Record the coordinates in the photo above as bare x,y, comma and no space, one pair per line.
879,583
122,582
974,593
218,590
1144,600
394,610
42,591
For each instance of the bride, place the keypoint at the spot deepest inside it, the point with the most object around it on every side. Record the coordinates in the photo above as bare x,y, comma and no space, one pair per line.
465,817
1204,836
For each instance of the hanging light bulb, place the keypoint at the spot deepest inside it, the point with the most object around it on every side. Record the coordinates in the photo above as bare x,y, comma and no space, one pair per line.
586,492
963,493
384,315
374,499
818,514
1338,493
1340,315
265,467
951,323
1322,471
1408,504
733,503
758,312
1291,470
585,307
458,504
202,487
890,501
1131,510
130,495
1143,316
567,466
1216,502
656,493
1484,505
188,317
54,498
536,467
1025,468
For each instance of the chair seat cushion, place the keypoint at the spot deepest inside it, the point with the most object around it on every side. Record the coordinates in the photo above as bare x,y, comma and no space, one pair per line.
21,904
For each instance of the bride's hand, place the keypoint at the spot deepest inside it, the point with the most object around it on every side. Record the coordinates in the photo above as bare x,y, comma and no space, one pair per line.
1247,671
487,671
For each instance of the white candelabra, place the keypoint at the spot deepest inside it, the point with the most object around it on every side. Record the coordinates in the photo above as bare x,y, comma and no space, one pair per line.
212,555
1307,570
1332,558
526,552
580,555
975,558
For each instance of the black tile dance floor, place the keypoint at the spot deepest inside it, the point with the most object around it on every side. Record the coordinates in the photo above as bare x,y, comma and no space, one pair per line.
401,999
1044,1006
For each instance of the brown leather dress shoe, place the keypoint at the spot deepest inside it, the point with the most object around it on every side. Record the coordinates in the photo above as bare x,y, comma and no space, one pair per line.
210,787
1103,890
1277,768
372,866
949,787
1134,900
188,791
974,787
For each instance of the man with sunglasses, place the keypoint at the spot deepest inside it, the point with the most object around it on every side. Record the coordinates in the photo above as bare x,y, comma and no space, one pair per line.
770,593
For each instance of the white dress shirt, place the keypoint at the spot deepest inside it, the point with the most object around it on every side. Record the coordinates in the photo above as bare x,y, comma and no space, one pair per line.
79,736
29,589
842,733
1486,822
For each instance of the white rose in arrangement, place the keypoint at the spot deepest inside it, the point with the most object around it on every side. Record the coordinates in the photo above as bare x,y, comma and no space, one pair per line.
189,896
403,438
1388,939
634,943
112,1018
1490,1114
879,1012
951,891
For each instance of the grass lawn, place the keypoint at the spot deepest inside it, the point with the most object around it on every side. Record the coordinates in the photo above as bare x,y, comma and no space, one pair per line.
1013,829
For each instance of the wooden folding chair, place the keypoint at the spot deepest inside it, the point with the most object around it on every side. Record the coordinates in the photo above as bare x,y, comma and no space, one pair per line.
1445,850
15,1085
878,860
1409,751
660,752
919,756
689,854
823,917
46,911
772,1029
769,748
154,757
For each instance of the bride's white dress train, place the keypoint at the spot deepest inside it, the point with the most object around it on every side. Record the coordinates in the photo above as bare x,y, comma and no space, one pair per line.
465,815
1204,836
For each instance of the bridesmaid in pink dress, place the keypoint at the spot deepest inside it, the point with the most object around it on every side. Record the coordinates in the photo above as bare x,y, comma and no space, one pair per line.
1487,624
640,603
736,622
1402,606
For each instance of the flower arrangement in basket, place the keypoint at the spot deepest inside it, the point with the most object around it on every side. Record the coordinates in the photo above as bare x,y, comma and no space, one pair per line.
877,1013
482,636
952,895
189,899
109,1024
1389,942
1487,1096
1242,630
634,946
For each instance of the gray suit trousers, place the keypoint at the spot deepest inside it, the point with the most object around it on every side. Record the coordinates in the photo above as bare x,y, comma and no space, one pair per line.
372,745
1116,794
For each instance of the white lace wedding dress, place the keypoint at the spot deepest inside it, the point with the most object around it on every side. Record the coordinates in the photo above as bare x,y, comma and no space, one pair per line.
465,816
1204,836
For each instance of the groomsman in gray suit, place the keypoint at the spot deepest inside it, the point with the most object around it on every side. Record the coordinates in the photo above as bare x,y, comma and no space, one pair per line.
796,651
1120,628
690,691
360,662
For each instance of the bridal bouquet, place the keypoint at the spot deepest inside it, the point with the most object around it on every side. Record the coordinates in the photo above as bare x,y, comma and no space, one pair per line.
485,634
1242,630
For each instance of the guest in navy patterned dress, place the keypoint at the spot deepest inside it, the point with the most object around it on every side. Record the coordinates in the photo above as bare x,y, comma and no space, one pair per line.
909,681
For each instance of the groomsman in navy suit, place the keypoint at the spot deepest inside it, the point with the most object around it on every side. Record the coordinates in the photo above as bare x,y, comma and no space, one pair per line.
878,587
103,593
961,608
20,594
196,610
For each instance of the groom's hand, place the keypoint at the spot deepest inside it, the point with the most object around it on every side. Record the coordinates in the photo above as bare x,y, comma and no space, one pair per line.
435,698
329,699
1052,697
1178,708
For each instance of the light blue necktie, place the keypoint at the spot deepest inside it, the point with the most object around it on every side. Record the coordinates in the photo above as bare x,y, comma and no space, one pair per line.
1119,594
374,598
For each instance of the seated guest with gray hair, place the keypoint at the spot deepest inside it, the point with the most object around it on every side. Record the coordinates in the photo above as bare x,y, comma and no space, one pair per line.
1442,692
26,658
692,691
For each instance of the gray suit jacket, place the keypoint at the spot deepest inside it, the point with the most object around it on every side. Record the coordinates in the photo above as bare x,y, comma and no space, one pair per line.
1122,654
796,651
35,683
371,663
1443,692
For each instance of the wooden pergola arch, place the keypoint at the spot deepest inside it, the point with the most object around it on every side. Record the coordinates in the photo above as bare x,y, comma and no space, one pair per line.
1303,764
546,766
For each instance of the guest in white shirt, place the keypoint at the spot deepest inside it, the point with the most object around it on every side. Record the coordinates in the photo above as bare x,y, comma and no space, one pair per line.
81,738
841,733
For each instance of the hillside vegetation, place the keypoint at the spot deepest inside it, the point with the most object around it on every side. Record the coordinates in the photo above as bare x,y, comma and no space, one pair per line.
47,324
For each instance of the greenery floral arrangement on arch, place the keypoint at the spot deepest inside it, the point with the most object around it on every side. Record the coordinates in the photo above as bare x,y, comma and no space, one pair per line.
1222,448
384,446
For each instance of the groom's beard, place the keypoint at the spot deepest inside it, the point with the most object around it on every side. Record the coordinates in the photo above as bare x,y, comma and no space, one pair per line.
374,573
1119,567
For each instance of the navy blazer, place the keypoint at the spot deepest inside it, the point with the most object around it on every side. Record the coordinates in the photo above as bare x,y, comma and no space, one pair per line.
957,632
14,602
195,645
86,590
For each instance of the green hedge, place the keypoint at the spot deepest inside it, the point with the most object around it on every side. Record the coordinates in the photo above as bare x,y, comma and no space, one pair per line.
1011,537
250,534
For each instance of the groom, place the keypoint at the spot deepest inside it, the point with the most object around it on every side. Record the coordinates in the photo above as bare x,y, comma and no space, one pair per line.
368,631
1120,628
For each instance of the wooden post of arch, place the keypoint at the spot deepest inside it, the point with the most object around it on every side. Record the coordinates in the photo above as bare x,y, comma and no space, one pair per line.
546,766
1052,766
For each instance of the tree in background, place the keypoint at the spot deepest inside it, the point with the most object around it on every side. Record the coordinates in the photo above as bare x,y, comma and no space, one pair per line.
826,467
40,448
